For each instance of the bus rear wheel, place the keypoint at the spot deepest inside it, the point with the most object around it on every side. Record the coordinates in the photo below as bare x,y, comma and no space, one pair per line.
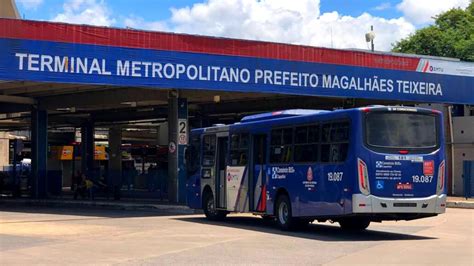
284,216
210,209
354,224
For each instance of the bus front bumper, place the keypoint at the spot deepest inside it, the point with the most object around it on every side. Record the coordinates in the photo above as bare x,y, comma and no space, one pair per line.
373,204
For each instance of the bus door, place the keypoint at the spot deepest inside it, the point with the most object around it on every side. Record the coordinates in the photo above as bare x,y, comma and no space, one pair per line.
222,145
257,168
237,173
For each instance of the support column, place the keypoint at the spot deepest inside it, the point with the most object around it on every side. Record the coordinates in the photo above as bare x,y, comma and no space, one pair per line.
39,152
178,138
87,149
449,150
183,137
115,160
4,149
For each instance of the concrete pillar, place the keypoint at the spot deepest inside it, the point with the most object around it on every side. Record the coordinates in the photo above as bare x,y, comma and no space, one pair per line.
87,149
183,137
39,152
178,137
4,150
449,147
115,160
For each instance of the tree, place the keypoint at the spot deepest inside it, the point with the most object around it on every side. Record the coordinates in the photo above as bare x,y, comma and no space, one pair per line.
452,35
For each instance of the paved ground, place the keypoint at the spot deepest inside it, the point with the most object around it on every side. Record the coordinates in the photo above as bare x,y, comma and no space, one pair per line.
65,236
460,202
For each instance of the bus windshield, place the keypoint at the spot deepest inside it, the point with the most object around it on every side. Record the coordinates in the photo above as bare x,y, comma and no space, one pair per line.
401,130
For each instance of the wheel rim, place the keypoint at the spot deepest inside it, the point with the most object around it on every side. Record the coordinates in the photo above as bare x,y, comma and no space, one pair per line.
283,213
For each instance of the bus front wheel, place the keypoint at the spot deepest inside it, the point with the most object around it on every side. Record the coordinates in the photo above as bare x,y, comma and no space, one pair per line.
354,224
210,209
284,217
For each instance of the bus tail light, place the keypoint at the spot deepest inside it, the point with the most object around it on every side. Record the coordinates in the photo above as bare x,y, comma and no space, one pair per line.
441,178
363,177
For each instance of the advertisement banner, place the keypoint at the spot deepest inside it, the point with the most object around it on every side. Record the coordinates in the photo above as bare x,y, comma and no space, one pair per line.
100,154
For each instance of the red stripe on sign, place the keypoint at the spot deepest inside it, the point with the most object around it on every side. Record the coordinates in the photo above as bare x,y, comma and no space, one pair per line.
83,34
427,64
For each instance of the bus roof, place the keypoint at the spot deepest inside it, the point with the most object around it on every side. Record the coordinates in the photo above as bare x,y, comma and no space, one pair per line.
280,114
301,113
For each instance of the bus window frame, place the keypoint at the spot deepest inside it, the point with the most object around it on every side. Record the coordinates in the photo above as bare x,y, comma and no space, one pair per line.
239,148
393,150
320,124
318,143
269,155
202,150
349,141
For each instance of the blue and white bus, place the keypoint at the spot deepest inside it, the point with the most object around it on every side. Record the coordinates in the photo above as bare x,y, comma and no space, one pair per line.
352,166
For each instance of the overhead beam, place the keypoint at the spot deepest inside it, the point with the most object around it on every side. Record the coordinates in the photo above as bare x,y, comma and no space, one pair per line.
129,115
14,108
41,87
16,84
101,98
17,99
108,116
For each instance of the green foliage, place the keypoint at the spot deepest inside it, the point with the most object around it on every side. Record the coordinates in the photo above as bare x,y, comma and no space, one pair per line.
452,35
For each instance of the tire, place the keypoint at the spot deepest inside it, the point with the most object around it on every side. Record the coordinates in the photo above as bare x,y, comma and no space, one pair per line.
210,211
354,224
284,216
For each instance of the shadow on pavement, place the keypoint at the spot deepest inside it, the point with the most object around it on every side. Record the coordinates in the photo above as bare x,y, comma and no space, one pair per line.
86,213
313,231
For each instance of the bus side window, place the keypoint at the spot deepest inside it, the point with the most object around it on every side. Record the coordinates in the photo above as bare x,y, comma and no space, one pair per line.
209,150
306,144
239,149
335,142
281,148
325,146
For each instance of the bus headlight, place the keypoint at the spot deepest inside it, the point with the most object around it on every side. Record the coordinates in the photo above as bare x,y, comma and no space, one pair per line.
363,177
441,178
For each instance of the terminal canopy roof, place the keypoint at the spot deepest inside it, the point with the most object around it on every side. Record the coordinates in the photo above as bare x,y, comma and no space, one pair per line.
35,52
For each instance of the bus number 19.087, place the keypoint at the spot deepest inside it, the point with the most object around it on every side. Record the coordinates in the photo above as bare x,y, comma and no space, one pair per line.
422,178
335,176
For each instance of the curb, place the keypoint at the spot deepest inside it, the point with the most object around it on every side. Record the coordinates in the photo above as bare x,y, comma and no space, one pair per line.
460,204
161,208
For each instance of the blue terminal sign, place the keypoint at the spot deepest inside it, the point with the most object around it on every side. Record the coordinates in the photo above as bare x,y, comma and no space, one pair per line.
44,61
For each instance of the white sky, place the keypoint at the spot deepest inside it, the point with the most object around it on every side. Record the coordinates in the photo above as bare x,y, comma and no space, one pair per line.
288,21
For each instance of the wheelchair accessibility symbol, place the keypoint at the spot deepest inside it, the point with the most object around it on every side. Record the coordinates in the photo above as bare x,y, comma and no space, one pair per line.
379,184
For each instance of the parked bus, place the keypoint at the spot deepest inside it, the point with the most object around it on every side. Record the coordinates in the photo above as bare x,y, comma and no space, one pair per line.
352,166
